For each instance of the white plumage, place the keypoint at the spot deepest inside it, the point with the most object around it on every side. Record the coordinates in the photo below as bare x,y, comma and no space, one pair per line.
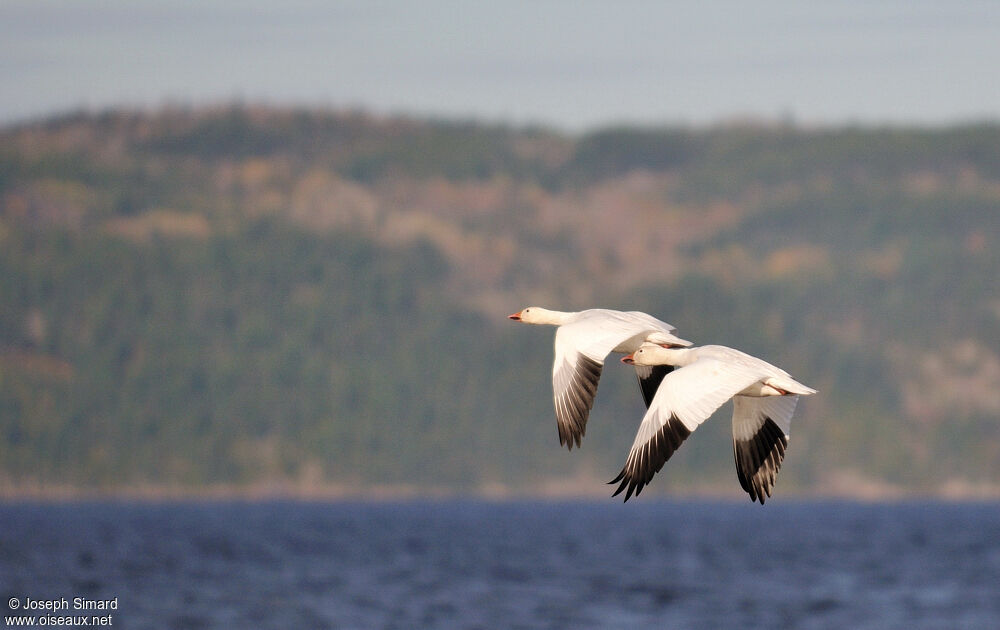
583,340
764,398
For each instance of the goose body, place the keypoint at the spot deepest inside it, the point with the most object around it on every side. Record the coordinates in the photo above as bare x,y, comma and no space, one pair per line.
583,340
764,398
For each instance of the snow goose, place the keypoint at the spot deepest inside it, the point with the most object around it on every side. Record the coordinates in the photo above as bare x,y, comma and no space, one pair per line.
764,398
583,340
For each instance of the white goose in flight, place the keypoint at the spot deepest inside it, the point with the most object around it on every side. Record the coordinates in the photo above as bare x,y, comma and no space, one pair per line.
764,398
583,340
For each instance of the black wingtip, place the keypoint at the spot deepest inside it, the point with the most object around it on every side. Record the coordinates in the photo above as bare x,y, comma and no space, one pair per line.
565,441
644,462
628,494
568,439
625,483
759,459
573,408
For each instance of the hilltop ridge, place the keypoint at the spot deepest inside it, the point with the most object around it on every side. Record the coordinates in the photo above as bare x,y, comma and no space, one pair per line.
267,297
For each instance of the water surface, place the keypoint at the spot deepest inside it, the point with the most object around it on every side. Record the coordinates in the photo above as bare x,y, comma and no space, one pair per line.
467,564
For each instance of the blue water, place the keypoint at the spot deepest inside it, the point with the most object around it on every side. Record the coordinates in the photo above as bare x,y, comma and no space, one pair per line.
511,565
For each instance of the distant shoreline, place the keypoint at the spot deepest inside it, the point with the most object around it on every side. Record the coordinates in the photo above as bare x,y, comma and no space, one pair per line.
387,493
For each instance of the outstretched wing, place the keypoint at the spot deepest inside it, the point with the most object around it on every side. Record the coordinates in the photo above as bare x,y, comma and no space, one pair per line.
574,386
581,347
685,399
760,437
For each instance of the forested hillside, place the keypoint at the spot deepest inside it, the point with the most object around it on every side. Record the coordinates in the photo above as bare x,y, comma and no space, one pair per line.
311,301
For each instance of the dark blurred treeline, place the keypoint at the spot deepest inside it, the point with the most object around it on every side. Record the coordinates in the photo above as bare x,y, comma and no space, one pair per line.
316,299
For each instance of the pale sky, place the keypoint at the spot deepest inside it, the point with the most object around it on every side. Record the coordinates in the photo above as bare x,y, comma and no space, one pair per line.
573,65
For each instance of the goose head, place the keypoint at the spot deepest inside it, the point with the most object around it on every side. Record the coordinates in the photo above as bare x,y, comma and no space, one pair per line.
537,315
650,354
